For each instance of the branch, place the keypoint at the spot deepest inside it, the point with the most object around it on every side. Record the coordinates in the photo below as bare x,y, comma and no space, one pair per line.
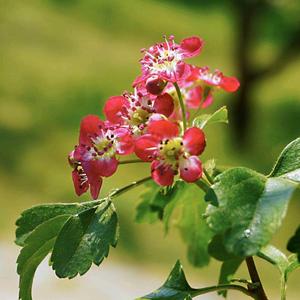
257,290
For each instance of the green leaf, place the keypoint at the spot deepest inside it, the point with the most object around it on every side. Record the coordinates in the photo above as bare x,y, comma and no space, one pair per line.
288,163
294,243
275,257
36,215
194,231
37,245
228,269
293,264
219,116
154,202
181,189
85,239
175,288
217,249
251,209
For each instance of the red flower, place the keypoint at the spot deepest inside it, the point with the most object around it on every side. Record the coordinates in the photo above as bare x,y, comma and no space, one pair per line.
217,79
138,109
165,61
95,157
168,151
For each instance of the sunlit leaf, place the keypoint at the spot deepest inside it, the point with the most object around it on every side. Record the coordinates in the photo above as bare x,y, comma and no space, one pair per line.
85,239
219,116
251,209
288,163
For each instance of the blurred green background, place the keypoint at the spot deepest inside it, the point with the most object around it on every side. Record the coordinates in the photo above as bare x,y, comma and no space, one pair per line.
61,59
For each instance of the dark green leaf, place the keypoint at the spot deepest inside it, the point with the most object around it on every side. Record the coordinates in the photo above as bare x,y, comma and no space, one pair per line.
36,215
217,249
251,209
37,245
288,163
85,239
154,202
219,116
175,288
294,243
228,269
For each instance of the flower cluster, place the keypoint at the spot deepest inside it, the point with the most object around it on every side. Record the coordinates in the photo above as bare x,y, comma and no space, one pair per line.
152,121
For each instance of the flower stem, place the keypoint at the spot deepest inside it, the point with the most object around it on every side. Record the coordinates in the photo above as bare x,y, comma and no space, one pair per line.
221,287
283,288
182,106
130,161
259,290
208,177
202,185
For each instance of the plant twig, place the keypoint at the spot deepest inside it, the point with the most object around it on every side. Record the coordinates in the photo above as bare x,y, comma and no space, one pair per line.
257,290
222,287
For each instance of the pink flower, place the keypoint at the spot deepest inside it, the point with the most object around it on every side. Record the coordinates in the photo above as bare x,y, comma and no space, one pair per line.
95,157
218,80
138,109
169,152
165,61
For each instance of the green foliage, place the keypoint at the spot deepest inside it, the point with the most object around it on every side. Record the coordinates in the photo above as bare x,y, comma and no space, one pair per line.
251,209
33,217
37,246
176,287
85,239
219,116
288,163
294,243
76,234
217,250
154,201
194,230
228,269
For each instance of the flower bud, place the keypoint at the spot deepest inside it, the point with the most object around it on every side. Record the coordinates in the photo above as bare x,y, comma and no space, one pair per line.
155,85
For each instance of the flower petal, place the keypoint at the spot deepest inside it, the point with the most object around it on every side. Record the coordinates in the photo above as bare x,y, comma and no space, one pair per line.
114,107
194,97
162,174
163,129
194,140
164,104
191,46
208,100
190,168
230,84
89,126
146,147
95,188
80,187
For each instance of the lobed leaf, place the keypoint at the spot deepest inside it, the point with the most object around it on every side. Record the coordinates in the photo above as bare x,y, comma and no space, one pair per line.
219,116
33,217
251,209
85,239
37,246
